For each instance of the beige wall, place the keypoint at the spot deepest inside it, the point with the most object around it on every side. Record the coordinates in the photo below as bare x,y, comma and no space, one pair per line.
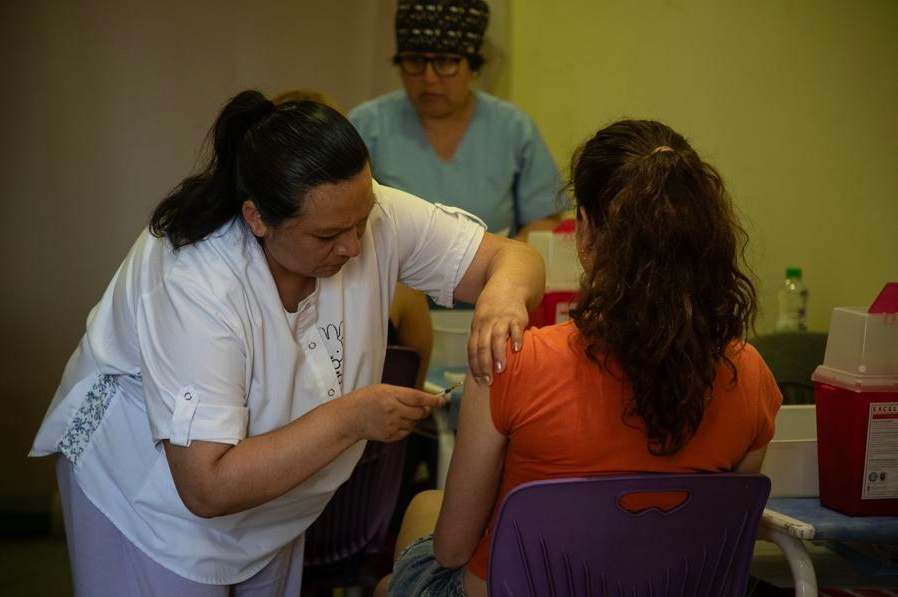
795,102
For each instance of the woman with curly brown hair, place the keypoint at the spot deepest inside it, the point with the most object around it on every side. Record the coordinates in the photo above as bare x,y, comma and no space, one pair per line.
651,375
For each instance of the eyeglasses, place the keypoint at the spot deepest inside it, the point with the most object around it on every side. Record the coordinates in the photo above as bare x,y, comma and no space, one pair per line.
444,65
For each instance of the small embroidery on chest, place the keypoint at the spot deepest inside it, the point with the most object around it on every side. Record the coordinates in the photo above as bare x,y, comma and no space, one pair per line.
333,339
88,417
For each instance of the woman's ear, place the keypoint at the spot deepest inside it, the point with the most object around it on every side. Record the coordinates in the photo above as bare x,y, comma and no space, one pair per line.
253,218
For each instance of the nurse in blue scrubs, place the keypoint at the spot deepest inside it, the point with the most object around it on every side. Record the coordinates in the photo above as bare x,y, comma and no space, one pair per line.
437,138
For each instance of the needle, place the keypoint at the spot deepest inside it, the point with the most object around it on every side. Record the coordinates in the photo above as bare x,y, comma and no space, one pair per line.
448,391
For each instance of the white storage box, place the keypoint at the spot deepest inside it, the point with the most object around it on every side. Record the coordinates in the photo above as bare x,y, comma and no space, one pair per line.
451,329
791,460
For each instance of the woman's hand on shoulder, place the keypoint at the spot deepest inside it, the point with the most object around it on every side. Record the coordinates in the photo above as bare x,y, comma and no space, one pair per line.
386,413
505,280
495,323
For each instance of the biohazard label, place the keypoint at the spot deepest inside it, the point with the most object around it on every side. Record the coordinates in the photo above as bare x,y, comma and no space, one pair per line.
881,464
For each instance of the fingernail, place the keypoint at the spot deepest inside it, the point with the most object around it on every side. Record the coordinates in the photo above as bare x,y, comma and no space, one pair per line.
500,366
517,346
489,380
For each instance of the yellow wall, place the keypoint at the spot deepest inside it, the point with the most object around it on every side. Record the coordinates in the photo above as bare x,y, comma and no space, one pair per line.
796,102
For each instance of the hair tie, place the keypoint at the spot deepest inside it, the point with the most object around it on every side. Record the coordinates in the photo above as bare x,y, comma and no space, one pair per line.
660,149
260,111
265,108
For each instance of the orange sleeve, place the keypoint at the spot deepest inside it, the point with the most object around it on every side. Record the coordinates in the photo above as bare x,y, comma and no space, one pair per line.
505,384
769,401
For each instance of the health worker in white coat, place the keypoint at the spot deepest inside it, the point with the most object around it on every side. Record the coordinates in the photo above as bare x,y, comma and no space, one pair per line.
228,378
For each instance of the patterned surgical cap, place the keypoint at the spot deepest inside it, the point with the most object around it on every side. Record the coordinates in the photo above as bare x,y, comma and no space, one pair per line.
441,26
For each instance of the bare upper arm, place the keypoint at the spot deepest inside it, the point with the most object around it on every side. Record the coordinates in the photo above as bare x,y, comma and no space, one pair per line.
472,483
476,275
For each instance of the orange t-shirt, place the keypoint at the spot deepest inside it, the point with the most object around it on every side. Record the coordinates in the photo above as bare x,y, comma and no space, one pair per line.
562,414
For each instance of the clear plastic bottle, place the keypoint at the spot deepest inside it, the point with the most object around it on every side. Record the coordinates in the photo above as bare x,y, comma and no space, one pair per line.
792,298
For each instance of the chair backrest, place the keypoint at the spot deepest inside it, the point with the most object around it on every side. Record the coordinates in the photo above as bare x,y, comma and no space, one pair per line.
401,366
792,358
357,518
575,537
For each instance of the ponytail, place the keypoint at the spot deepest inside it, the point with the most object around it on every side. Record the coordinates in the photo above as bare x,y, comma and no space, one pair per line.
269,154
664,293
204,202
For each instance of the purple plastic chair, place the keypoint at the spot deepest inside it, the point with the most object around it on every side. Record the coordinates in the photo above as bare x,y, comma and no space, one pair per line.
572,537
343,545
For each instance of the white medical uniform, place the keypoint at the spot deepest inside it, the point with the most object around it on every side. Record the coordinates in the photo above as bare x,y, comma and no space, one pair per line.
195,344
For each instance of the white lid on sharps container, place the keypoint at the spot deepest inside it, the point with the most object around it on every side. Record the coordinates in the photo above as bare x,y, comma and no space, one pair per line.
861,351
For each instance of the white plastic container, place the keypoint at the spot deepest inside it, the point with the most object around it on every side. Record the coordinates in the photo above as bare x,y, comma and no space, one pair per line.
791,460
559,251
451,329
563,270
862,351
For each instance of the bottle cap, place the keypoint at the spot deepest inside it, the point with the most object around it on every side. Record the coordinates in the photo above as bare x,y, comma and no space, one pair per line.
793,272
